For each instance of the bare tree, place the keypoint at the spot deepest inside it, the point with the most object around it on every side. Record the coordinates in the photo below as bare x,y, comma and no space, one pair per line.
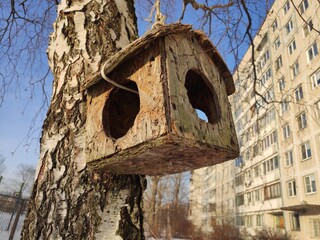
2,165
166,205
23,180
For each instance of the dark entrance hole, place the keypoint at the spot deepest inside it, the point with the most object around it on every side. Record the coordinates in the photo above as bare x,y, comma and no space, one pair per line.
120,110
202,96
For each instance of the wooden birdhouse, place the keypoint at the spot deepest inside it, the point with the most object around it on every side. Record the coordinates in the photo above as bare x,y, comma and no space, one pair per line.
150,124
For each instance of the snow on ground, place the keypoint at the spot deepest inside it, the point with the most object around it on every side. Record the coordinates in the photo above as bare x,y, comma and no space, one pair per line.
4,222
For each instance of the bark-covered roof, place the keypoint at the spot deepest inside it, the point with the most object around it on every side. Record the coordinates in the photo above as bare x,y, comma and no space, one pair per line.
133,48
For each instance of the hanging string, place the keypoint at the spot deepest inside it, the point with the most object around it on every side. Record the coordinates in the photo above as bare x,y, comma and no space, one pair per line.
159,18
104,76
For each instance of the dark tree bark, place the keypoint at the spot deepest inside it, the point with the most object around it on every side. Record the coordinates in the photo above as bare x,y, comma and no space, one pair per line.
68,201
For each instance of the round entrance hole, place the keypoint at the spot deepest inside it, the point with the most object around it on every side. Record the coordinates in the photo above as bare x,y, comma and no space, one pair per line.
202,96
120,110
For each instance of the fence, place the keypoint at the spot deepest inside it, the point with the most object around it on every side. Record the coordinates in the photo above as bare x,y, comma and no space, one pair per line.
12,214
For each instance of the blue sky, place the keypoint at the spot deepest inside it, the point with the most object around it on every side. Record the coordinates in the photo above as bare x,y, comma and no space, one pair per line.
19,131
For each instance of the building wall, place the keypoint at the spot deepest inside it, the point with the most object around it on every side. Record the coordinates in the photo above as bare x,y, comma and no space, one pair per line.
272,189
288,122
212,194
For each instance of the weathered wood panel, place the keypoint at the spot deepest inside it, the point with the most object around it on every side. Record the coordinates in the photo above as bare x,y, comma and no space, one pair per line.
184,53
150,122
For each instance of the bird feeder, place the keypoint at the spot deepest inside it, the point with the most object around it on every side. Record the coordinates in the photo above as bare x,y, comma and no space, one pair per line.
144,119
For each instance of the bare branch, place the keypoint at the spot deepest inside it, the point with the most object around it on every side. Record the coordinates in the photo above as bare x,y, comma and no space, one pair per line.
303,19
203,7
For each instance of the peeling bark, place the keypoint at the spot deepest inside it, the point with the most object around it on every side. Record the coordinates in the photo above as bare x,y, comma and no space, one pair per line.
69,201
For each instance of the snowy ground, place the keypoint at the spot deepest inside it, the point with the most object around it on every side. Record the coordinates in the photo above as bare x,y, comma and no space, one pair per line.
4,222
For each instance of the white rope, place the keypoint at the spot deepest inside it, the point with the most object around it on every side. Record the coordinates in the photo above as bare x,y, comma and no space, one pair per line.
158,13
104,76
159,18
141,94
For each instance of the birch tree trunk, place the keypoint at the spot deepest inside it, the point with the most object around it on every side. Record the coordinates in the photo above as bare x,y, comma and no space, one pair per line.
68,201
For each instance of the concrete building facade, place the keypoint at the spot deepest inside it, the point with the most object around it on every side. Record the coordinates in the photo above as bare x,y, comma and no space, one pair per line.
277,117
212,195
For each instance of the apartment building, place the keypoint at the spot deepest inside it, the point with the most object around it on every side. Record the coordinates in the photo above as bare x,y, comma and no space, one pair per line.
212,195
278,173
277,118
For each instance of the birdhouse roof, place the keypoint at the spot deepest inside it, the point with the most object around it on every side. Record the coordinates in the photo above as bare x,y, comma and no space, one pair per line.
149,37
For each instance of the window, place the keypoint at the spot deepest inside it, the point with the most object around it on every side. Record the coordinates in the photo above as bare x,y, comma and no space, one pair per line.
289,26
255,150
284,106
312,52
292,46
310,184
240,200
315,79
292,192
302,121
317,106
269,140
272,191
256,170
257,197
295,221
240,220
268,73
239,161
289,158
239,180
269,95
265,77
303,6
277,43
271,165
259,220
286,131
315,226
248,221
266,55
212,207
282,84
298,93
249,199
286,7
307,28
305,150
278,63
295,69
264,59
274,25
